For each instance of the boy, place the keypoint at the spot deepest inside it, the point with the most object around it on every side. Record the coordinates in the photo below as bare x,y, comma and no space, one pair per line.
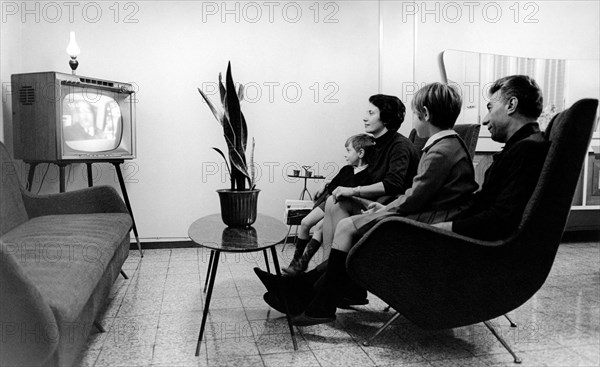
352,175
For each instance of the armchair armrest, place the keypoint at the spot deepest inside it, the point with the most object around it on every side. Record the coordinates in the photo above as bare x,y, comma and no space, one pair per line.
98,199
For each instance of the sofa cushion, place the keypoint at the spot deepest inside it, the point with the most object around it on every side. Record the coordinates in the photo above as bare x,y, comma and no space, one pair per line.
66,255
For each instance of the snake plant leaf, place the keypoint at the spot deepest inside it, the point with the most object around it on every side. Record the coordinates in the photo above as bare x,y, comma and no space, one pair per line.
216,111
252,166
238,163
225,158
221,90
235,113
241,92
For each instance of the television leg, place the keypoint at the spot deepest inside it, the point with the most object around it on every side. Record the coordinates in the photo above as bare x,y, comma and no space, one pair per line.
126,199
89,174
61,177
30,175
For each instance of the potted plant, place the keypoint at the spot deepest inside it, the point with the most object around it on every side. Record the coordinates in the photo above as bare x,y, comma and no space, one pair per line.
238,203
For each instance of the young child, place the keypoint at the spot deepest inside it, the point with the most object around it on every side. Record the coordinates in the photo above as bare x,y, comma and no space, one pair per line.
352,175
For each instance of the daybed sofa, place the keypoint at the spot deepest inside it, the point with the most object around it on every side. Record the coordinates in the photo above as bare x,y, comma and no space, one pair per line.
59,256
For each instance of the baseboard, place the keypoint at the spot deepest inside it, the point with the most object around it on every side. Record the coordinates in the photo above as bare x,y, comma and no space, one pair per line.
155,245
162,245
581,236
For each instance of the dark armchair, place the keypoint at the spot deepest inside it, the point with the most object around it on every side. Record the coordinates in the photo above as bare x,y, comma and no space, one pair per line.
440,280
468,132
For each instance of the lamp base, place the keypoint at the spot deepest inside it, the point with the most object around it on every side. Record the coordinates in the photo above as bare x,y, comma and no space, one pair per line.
73,63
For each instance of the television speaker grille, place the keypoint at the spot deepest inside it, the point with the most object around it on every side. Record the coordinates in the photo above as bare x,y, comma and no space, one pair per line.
27,95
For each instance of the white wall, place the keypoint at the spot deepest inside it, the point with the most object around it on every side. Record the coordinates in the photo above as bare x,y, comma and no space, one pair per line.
360,47
172,50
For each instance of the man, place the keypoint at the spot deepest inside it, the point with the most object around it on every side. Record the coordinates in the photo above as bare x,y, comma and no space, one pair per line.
515,104
496,210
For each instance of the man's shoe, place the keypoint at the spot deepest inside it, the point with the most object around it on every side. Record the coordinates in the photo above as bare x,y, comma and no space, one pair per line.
347,303
305,320
272,300
270,281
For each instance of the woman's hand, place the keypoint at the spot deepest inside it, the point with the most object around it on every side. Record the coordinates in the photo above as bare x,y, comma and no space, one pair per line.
320,191
342,192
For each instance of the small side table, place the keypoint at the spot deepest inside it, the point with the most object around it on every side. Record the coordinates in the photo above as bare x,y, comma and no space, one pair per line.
210,232
304,191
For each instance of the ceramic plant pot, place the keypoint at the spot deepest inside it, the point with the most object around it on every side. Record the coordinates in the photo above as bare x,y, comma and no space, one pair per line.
238,208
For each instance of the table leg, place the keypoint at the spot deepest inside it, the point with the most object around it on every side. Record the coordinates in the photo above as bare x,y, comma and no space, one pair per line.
281,292
267,260
212,255
211,283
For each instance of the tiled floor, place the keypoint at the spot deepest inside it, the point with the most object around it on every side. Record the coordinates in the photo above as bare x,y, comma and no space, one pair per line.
153,319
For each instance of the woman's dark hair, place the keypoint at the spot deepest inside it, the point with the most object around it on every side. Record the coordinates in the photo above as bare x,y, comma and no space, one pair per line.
391,110
525,89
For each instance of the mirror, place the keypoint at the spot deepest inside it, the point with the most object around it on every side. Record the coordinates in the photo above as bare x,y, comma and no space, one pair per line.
562,82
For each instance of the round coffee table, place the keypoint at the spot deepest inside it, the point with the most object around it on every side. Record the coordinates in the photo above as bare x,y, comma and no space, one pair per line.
210,232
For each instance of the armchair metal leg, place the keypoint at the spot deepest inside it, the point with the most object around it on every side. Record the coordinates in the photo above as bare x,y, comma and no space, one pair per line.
99,327
396,315
501,340
512,324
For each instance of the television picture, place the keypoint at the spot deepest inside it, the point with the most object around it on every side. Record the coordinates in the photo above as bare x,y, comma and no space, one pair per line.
91,127
61,117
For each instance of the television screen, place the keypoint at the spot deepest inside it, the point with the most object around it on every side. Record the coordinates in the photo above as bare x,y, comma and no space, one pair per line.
91,123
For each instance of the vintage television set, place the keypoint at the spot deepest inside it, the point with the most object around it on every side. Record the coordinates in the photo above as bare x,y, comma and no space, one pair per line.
65,117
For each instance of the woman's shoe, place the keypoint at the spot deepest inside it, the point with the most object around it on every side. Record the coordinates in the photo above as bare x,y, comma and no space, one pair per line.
300,246
293,269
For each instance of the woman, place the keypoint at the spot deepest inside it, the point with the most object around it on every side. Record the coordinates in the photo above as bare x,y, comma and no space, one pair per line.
392,165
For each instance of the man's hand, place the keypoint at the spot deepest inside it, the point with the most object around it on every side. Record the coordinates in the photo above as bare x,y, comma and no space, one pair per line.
444,225
374,207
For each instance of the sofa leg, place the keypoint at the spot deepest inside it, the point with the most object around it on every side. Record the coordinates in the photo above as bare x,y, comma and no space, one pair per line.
502,341
99,327
396,315
124,275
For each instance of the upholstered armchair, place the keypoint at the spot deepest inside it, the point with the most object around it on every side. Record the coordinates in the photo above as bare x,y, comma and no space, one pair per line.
468,132
440,280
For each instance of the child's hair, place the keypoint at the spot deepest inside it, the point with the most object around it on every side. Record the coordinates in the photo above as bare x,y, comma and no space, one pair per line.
361,141
442,101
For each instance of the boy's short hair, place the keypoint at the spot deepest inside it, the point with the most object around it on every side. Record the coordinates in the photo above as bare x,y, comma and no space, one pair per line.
361,141
443,102
525,89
